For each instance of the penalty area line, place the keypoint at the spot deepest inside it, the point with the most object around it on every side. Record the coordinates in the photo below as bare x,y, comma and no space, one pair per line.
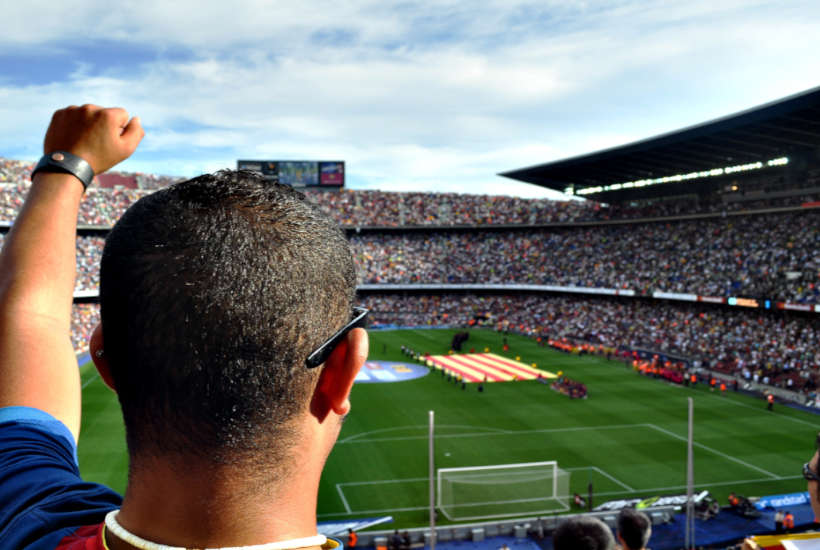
603,473
715,451
613,478
344,500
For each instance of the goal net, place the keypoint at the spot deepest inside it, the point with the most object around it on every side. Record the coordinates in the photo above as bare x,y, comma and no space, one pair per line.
485,492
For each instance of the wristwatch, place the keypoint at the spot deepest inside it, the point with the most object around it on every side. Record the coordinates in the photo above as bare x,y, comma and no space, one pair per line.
64,162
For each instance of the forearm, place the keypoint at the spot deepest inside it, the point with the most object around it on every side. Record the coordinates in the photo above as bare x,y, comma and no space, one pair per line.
37,264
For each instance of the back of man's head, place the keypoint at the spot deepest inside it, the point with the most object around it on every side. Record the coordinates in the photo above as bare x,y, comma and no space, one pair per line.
213,292
583,533
634,529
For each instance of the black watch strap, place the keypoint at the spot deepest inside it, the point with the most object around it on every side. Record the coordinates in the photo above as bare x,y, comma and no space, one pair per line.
66,163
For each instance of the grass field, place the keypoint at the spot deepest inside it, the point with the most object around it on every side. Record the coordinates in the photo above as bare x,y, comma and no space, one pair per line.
628,438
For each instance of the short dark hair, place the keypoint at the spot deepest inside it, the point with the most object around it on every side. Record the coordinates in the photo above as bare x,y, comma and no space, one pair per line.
583,533
634,528
213,292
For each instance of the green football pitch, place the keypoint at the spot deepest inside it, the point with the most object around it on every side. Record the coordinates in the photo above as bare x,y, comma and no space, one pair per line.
628,438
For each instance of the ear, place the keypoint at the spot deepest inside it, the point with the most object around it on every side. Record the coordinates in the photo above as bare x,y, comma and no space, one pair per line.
340,370
95,347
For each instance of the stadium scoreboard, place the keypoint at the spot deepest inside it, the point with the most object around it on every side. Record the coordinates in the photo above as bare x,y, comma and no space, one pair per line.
298,173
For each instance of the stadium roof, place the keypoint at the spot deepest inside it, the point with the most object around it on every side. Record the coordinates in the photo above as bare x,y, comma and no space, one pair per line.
783,128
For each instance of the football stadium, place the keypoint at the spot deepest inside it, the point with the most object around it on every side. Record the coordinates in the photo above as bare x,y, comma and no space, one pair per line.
532,359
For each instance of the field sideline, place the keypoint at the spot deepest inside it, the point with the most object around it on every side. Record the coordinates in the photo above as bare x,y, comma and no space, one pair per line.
627,438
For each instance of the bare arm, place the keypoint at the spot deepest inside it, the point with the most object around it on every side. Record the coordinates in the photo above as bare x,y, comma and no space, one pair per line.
37,266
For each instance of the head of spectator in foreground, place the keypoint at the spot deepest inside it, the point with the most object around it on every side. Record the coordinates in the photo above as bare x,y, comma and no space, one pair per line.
634,529
213,293
583,533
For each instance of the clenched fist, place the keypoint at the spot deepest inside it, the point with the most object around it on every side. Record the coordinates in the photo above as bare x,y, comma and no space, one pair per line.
102,137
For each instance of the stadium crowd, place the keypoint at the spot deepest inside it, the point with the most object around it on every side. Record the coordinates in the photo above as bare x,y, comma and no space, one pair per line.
84,317
767,347
366,208
771,256
768,256
775,256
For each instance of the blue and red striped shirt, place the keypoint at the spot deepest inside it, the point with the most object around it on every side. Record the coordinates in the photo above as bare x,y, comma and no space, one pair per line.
44,503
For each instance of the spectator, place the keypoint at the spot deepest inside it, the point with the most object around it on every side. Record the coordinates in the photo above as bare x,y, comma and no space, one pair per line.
235,361
788,521
634,529
395,541
583,533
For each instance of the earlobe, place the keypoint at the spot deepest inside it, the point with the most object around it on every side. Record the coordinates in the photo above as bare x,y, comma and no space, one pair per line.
97,352
339,373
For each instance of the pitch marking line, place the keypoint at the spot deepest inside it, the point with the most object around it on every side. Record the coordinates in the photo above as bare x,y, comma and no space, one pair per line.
706,485
613,478
603,493
353,438
374,512
715,451
746,405
603,473
87,382
344,500
486,434
383,481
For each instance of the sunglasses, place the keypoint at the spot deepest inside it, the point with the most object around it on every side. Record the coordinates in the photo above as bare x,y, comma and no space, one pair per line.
321,354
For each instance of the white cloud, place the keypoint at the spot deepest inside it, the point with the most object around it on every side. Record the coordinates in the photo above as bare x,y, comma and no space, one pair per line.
434,95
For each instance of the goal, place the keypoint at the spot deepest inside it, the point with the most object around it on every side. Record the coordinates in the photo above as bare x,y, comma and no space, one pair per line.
505,490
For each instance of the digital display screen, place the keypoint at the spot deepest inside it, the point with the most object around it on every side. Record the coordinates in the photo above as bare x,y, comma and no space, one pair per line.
332,173
298,173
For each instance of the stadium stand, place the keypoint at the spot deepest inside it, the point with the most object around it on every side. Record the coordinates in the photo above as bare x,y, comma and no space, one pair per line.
388,209
771,348
766,256
754,236
770,255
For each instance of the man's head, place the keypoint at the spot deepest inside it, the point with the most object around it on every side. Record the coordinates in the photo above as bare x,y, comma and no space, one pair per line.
583,533
213,292
634,529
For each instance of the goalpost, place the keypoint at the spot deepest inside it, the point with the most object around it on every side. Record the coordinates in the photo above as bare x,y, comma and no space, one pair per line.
505,490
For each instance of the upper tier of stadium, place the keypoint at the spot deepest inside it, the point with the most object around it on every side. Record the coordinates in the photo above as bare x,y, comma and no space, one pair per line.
378,209
699,159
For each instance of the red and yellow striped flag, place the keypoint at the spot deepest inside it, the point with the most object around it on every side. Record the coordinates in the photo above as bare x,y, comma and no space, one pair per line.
474,367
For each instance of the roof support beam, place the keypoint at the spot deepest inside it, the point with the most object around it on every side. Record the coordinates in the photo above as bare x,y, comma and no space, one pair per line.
792,130
778,139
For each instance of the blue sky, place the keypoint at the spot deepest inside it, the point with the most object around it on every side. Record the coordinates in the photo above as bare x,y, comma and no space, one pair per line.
437,95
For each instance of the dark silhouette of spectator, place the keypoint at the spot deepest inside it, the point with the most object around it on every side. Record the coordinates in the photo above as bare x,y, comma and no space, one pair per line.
634,529
583,533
